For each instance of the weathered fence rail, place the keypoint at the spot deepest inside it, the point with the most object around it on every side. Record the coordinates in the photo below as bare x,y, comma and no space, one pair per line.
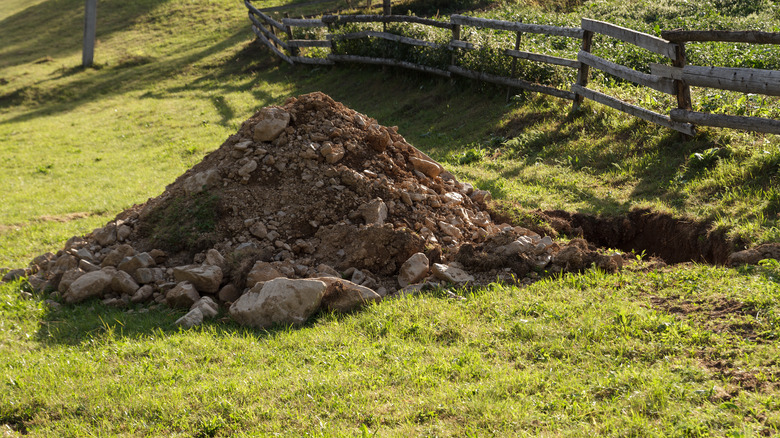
675,79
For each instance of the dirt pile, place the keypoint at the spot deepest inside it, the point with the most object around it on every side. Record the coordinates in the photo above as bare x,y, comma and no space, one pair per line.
308,190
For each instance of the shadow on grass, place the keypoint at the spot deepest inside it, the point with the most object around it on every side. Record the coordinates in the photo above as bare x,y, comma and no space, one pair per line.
56,27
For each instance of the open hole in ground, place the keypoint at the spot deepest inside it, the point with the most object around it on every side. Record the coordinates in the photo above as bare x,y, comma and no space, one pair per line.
642,231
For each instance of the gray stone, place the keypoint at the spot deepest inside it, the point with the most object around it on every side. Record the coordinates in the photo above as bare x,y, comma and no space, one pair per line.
123,283
413,270
280,301
14,274
229,293
123,232
450,230
259,230
191,319
64,264
374,212
142,294
117,254
201,181
105,236
133,263
68,278
205,278
262,271
148,275
183,295
451,274
346,296
88,266
246,170
207,307
271,123
324,270
89,285
215,258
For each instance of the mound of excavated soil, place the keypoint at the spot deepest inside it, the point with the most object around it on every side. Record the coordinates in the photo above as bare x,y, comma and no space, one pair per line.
311,189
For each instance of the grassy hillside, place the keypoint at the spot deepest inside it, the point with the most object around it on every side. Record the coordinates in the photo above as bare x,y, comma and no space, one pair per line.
687,350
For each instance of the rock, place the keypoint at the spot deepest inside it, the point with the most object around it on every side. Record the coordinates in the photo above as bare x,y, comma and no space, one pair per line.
431,169
271,123
191,319
324,270
14,274
201,181
246,170
117,254
115,302
105,236
88,266
215,258
64,264
229,293
259,230
481,196
123,232
207,307
450,230
133,263
450,274
333,153
148,275
68,278
89,285
262,271
280,301
346,296
158,255
183,295
374,212
123,283
205,278
142,294
413,270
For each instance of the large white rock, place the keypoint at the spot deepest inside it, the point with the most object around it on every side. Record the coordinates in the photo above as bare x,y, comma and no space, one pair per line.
414,269
89,285
272,122
205,278
280,301
374,212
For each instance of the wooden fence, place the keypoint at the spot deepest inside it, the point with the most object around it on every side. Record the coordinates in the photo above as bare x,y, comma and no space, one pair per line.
674,79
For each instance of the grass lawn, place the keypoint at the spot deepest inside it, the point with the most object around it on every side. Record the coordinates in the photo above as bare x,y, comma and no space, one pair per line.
684,350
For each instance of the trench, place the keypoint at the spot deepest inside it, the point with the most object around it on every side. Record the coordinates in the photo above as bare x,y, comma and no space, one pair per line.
642,231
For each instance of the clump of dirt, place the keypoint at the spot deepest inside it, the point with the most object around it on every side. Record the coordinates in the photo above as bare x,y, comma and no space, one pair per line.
305,190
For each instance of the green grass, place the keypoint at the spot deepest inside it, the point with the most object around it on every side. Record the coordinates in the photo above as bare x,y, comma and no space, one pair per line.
688,350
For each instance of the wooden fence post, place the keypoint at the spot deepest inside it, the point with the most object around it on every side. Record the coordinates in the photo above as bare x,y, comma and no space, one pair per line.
455,37
90,27
514,64
582,73
294,51
386,8
683,90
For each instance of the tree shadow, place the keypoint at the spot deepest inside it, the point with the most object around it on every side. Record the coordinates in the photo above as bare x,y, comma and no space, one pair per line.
56,27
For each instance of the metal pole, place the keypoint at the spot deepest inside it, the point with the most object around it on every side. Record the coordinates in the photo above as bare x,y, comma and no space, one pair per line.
90,25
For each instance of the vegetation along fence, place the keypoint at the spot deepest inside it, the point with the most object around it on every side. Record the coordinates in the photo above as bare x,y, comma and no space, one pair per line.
440,50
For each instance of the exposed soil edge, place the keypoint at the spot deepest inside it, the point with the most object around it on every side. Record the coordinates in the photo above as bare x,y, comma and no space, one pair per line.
675,240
